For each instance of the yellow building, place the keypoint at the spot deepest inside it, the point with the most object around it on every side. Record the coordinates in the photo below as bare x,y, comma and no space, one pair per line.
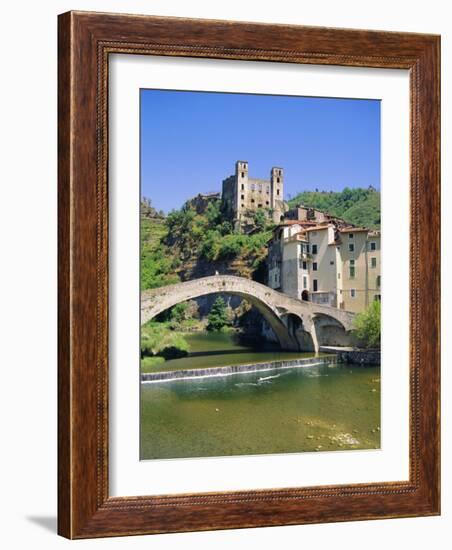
325,264
358,274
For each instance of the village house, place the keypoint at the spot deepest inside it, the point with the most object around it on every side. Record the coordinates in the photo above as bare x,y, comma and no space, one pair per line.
327,263
359,278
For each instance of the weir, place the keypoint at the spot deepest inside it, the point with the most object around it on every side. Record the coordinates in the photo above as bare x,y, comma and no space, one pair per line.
236,369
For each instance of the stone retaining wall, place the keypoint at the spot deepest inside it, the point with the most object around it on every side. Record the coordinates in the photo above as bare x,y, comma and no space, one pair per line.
362,357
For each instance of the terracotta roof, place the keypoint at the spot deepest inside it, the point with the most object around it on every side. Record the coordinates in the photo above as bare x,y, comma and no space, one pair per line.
318,227
289,222
353,229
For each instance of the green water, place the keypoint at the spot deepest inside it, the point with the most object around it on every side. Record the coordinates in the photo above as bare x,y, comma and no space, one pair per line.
319,408
216,349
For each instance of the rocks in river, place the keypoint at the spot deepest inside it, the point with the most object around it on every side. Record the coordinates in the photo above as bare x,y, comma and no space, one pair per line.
345,438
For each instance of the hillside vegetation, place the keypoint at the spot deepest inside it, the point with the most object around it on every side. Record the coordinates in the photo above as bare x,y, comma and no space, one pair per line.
357,206
188,245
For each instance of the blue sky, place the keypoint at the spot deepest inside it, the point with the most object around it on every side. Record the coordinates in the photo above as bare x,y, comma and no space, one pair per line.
191,140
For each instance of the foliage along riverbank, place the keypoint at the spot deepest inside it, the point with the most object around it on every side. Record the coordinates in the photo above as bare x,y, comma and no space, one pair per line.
164,339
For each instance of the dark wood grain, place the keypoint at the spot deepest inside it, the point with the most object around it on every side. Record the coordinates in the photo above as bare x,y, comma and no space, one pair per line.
85,42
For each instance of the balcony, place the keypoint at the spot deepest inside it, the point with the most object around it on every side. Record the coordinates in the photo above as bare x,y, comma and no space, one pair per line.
295,238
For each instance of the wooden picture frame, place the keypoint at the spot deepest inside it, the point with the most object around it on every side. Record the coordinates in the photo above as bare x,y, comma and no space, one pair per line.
86,40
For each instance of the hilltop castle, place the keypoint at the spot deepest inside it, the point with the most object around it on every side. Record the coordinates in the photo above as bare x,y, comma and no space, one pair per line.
242,195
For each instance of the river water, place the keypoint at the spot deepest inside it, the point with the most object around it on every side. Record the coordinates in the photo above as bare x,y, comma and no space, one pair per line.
317,408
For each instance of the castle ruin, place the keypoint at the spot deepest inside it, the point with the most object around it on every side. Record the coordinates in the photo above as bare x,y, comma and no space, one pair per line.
242,196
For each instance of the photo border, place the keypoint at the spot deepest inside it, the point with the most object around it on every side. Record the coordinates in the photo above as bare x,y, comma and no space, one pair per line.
129,476
85,42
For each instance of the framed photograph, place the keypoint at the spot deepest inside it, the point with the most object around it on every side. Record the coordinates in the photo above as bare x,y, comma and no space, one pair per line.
248,275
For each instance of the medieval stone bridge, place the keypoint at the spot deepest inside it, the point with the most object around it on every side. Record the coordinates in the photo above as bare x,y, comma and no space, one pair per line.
297,324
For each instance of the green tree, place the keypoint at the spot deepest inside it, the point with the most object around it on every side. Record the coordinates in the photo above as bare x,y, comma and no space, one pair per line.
367,325
218,316
213,214
179,312
260,219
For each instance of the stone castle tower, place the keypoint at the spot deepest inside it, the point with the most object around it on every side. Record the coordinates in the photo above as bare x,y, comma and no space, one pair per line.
242,196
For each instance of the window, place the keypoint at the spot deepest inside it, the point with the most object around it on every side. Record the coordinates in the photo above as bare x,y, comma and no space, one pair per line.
267,203
305,265
331,262
351,235
373,262
243,187
307,248
277,191
314,266
268,190
243,174
351,247
377,298
378,281
305,283
277,180
259,205
314,249
373,245
352,269
242,197
352,293
314,285
252,200
243,206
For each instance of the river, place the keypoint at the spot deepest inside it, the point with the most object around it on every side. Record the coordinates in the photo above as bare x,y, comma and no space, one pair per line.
318,408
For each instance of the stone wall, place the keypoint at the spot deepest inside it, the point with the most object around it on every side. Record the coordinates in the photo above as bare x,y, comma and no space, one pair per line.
357,356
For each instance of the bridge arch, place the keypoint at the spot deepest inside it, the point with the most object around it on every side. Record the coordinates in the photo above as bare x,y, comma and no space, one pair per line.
279,310
155,303
299,330
330,331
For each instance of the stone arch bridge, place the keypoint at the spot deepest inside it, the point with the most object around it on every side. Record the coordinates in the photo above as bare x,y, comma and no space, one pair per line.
297,324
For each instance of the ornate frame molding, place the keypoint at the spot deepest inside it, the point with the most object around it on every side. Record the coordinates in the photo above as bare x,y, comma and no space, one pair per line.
85,42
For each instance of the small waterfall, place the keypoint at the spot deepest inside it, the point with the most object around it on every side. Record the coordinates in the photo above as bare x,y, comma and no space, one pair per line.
236,369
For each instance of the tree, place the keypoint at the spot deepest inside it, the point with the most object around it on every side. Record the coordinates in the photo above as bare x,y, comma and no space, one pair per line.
179,312
260,219
218,316
213,214
367,325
